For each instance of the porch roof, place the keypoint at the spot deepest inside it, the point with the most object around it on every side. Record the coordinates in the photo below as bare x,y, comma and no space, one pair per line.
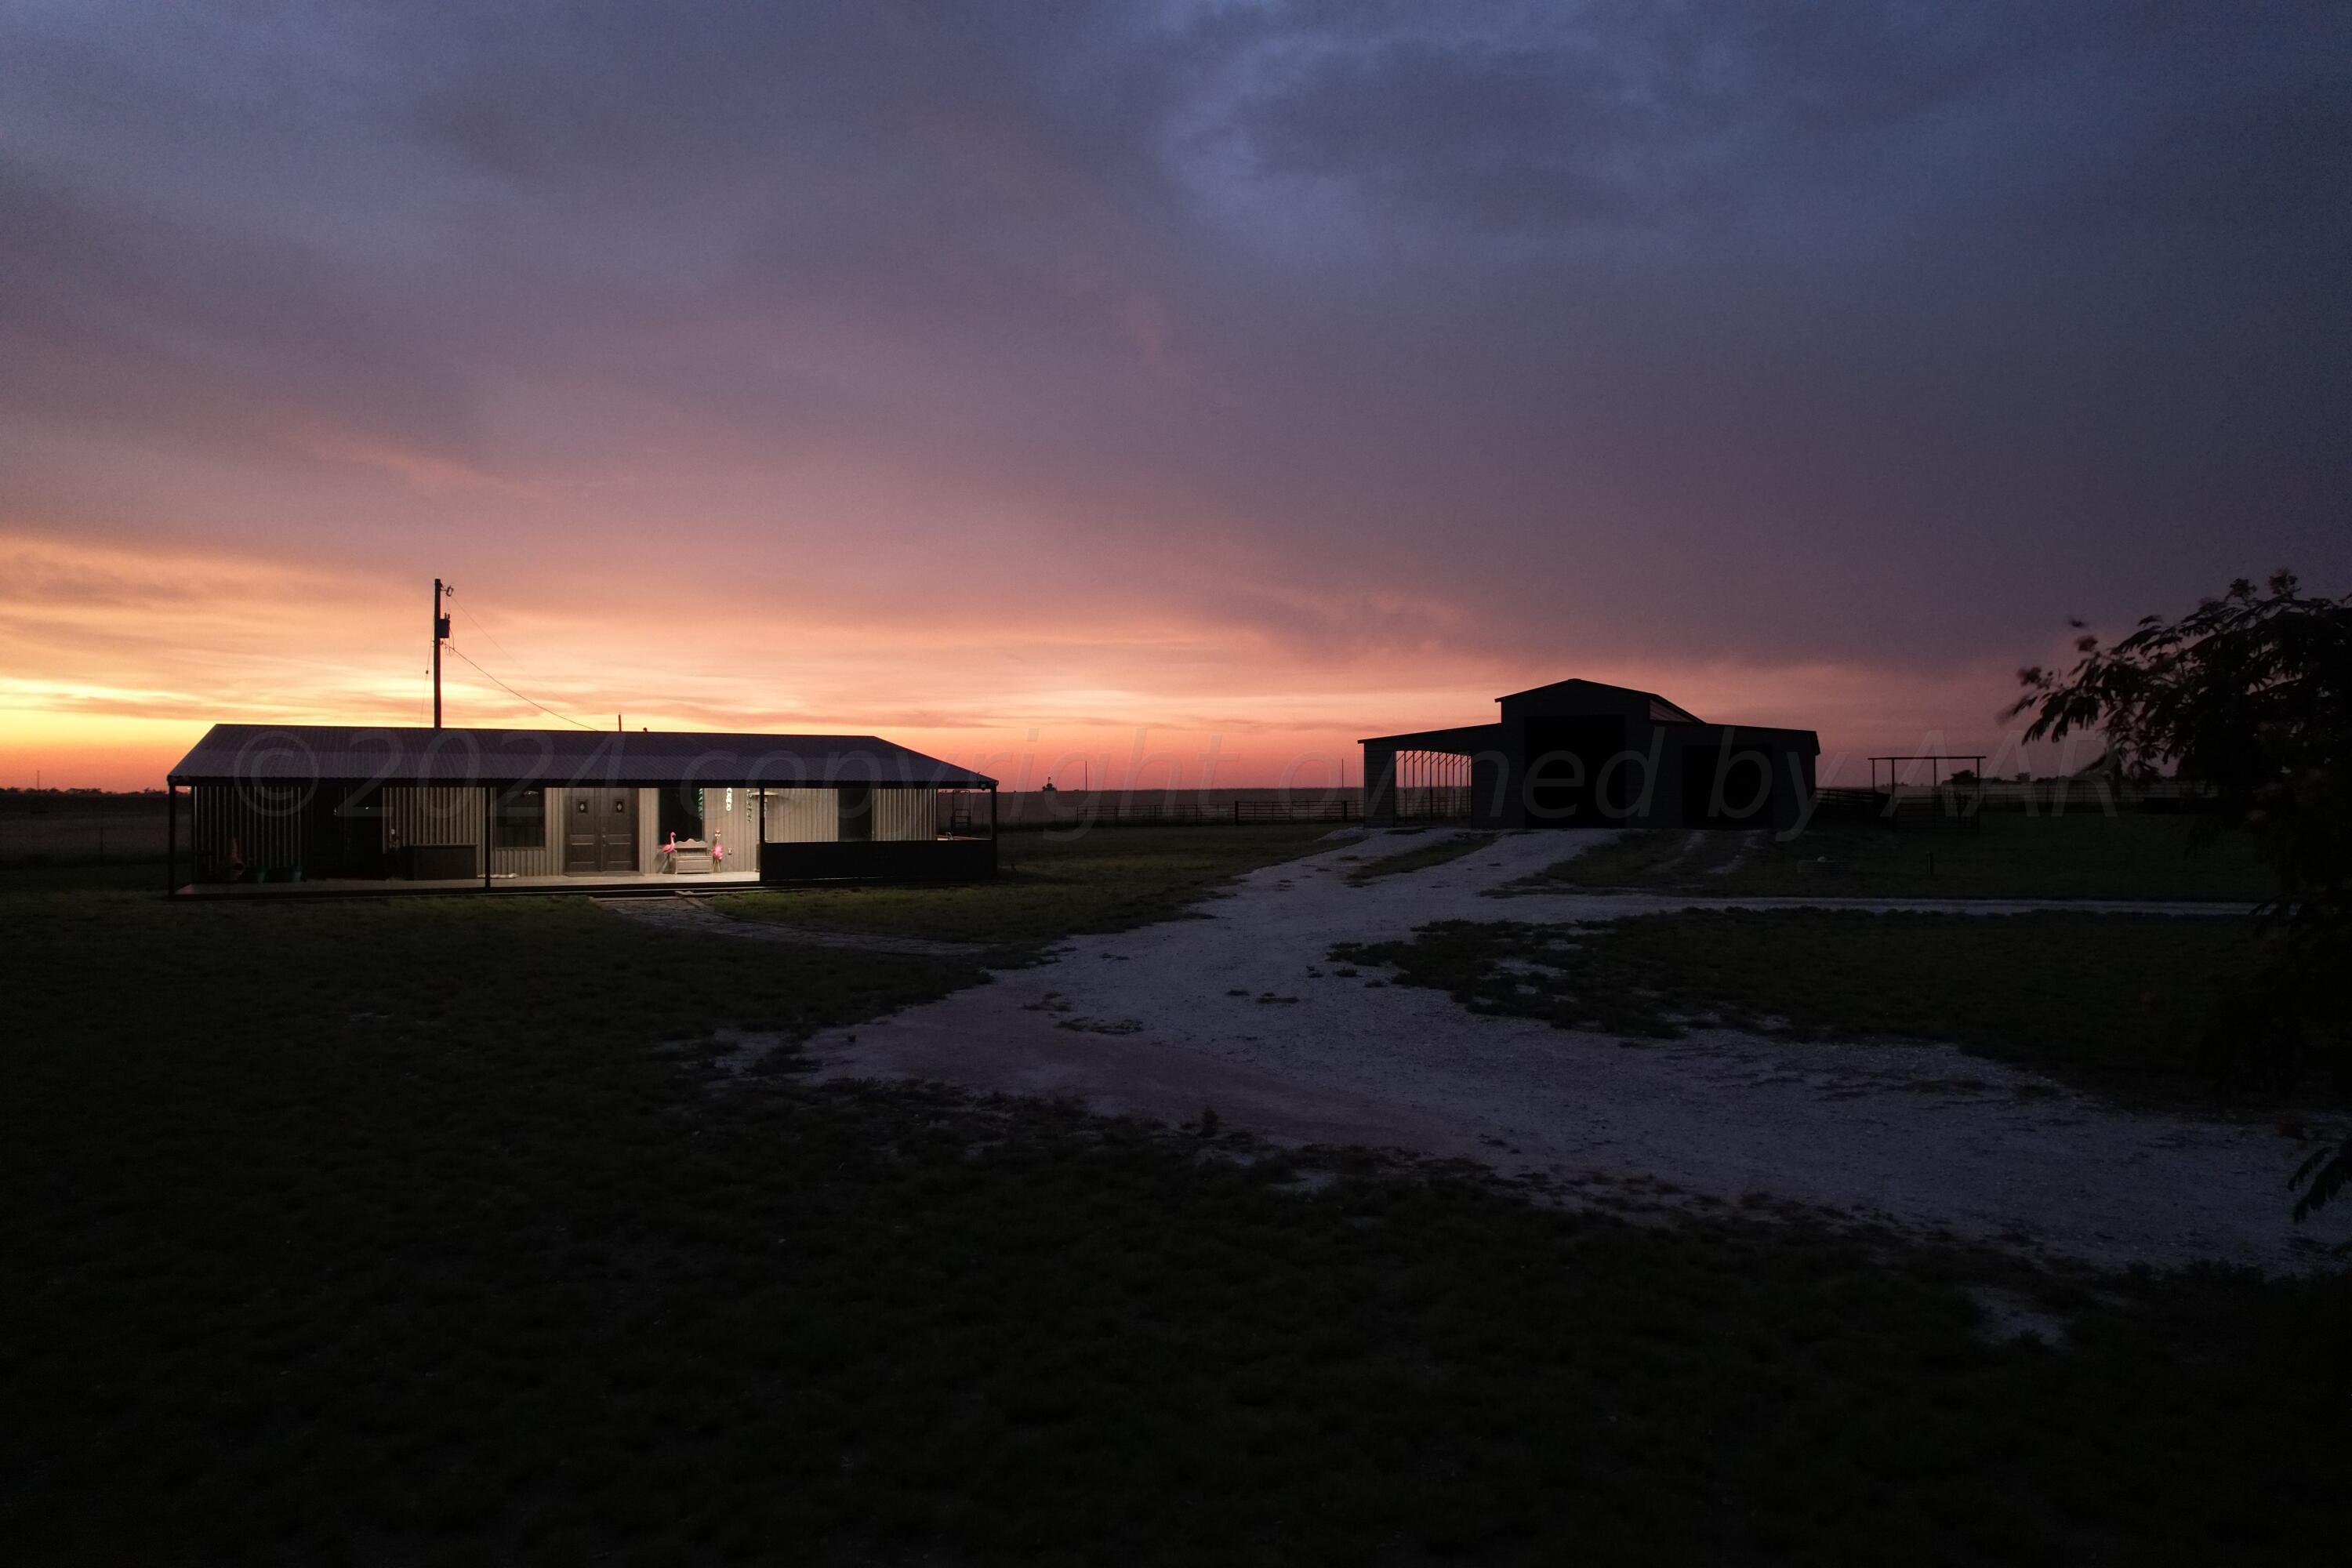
292,753
1463,738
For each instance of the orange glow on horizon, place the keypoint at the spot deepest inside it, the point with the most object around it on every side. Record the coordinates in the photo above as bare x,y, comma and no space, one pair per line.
119,659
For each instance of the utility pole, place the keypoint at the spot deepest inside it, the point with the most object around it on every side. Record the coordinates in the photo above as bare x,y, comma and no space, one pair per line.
440,632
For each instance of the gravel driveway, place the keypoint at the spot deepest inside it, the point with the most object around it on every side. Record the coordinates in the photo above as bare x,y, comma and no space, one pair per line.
1242,1011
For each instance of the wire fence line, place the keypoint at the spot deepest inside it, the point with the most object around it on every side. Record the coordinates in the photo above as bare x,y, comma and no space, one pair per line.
1967,799
113,837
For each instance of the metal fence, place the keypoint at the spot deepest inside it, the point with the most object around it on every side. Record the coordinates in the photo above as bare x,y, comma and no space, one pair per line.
1433,803
1249,811
1964,802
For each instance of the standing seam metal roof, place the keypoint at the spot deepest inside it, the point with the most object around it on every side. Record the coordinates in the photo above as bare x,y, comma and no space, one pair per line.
406,754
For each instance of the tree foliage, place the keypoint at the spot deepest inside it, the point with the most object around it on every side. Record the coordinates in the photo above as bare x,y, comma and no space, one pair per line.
2251,695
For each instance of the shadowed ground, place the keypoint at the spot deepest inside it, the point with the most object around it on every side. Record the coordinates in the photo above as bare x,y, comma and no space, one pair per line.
510,1230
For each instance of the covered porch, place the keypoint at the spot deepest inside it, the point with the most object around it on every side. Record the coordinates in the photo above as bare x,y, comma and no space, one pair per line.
448,812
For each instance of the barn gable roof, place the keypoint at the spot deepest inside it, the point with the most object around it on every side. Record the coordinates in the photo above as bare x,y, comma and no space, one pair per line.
1662,711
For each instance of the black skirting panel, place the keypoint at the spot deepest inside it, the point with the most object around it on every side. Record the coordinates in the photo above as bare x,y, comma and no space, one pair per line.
912,861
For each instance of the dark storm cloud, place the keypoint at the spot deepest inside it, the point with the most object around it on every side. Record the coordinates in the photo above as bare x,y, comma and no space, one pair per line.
1614,115
1766,332
1628,114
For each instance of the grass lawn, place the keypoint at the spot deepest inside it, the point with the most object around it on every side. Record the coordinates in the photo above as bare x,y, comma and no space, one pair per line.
2110,1002
1050,885
418,1231
1431,850
2080,855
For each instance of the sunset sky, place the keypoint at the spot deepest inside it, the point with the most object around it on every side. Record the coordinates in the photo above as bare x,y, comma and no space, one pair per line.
1178,380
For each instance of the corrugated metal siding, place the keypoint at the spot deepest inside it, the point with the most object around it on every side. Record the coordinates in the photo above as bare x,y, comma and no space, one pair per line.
730,817
257,826
905,814
546,858
432,813
814,815
801,816
269,824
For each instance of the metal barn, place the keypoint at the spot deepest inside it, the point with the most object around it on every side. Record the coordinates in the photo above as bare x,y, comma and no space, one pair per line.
1579,753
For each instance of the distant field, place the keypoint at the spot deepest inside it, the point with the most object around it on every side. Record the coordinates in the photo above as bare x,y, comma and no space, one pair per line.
2015,856
75,833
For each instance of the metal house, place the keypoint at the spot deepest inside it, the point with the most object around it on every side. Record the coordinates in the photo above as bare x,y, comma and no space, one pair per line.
1578,753
335,807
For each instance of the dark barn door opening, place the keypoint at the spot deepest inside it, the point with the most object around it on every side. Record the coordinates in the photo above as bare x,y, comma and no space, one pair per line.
1567,763
1727,787
600,832
344,828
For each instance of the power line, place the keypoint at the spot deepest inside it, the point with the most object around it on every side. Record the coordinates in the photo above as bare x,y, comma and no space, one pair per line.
480,625
513,693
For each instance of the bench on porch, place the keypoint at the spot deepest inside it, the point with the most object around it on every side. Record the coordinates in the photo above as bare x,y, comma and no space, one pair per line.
685,857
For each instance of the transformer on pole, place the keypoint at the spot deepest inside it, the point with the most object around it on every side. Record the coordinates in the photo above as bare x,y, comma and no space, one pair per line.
440,634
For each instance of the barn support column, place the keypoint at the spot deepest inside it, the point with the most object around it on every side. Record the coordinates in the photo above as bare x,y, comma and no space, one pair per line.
1380,786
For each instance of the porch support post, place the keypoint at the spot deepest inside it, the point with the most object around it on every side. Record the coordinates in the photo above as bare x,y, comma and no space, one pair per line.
489,811
992,851
171,837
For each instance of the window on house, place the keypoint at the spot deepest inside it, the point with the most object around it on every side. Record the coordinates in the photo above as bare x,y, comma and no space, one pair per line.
857,818
522,821
681,812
